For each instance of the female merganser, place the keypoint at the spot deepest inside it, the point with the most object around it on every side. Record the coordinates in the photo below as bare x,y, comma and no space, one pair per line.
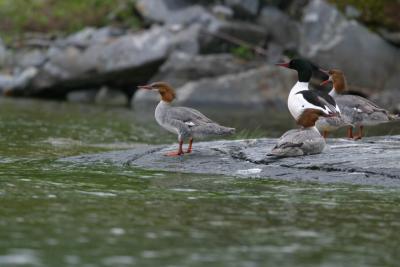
299,142
329,124
186,122
355,109
302,101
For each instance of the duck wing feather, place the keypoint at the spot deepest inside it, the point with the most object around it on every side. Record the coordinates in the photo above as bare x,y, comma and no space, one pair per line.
189,116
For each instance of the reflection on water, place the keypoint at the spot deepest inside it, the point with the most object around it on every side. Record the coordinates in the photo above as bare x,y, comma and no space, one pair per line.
54,214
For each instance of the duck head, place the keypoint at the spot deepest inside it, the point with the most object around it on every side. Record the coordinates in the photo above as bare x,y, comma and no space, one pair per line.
165,90
337,78
303,67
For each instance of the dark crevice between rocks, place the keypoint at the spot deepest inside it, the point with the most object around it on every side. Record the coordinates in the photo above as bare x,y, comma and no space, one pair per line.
240,155
345,170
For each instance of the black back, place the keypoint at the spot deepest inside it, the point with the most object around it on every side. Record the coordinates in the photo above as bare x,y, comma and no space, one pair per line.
312,98
317,98
326,96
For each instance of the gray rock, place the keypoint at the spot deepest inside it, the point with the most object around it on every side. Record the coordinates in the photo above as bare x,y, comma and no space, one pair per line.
214,35
352,12
392,37
2,53
14,84
103,96
256,89
244,9
172,11
87,96
90,35
281,29
373,161
111,97
332,41
222,11
388,98
25,58
182,67
117,61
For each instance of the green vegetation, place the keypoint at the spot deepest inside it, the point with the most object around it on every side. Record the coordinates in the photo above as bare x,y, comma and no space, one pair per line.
60,16
382,13
243,52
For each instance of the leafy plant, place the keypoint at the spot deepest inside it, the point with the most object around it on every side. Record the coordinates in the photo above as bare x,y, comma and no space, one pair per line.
61,16
242,52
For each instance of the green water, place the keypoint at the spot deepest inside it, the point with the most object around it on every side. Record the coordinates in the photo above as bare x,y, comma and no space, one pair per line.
54,214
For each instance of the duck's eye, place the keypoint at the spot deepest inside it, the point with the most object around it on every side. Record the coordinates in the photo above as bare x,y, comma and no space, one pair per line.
302,106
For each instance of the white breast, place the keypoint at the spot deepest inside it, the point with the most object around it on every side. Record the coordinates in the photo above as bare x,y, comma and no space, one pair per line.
161,117
296,102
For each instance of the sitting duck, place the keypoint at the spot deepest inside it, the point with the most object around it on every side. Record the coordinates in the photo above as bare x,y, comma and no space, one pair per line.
187,123
299,142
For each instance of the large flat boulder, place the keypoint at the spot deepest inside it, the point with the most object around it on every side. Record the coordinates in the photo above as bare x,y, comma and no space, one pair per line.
372,161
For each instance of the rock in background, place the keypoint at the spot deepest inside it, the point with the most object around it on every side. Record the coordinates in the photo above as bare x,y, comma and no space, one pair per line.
331,40
216,53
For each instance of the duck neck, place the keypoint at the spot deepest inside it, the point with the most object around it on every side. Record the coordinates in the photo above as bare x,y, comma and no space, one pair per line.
163,102
162,105
333,92
299,86
313,127
304,74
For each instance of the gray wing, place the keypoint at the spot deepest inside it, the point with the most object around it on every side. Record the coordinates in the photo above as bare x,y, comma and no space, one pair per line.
189,116
359,104
199,125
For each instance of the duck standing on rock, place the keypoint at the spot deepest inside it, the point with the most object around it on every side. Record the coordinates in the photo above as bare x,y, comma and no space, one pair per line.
356,110
187,123
306,106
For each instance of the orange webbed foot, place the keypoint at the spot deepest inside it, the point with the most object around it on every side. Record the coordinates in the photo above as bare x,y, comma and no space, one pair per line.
174,154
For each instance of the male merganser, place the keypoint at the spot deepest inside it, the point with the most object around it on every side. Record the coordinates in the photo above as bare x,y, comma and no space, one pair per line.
299,142
355,109
306,105
186,122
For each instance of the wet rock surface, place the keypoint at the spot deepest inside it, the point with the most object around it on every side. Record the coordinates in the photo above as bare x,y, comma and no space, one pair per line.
372,161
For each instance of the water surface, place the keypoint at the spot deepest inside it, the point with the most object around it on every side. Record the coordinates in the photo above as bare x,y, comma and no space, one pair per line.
58,214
